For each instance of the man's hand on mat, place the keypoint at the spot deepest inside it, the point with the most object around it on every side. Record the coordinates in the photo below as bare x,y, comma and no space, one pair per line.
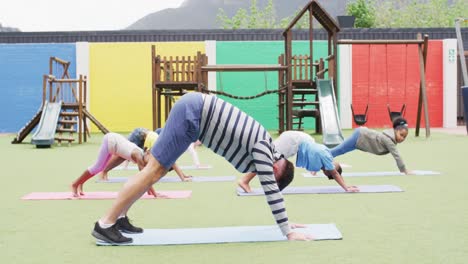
313,173
299,236
295,225
352,189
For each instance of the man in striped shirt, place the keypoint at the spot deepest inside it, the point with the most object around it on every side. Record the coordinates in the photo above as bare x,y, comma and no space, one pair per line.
227,131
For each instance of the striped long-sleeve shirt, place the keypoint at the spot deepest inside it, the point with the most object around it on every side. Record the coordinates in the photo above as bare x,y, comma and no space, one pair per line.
246,144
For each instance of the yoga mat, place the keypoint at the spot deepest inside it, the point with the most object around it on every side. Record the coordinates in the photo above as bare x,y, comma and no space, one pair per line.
176,179
374,173
232,234
102,195
325,189
182,167
193,167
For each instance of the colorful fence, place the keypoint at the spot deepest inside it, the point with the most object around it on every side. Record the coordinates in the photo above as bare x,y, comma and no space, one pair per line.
21,70
263,109
389,74
120,79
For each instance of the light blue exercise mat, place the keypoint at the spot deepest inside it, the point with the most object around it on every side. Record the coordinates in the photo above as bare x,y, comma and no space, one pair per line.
325,190
233,234
182,167
374,174
176,179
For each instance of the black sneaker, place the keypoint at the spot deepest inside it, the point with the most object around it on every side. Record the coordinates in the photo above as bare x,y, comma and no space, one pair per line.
110,235
124,225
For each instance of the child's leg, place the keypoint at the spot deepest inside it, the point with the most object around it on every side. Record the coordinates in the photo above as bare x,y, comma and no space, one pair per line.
103,157
348,144
193,152
101,162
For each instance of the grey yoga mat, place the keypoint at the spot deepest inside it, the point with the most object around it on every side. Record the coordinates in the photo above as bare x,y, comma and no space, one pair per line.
374,173
325,189
232,234
176,179
182,167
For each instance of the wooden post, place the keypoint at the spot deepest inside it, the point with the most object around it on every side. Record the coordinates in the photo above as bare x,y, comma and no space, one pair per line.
44,89
281,96
154,90
80,109
311,40
289,95
85,92
332,72
422,102
50,88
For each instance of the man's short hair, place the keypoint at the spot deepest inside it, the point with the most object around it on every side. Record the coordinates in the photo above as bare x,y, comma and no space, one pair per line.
287,176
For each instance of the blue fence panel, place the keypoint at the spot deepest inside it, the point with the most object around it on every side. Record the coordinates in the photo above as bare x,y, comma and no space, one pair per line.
21,69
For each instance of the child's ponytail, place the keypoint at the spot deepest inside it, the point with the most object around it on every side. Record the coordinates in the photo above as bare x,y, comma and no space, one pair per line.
400,123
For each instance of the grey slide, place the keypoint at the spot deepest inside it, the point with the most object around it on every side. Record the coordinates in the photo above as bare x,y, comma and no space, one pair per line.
325,190
331,128
232,234
45,133
177,179
375,174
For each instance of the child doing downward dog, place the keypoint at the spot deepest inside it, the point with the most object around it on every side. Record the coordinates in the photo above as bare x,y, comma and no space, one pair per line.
112,144
375,142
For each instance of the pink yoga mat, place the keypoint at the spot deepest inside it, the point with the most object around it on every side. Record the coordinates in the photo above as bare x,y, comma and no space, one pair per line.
101,195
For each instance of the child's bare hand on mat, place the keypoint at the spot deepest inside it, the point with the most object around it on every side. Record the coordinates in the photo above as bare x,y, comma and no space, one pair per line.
151,191
187,178
103,176
295,225
352,189
299,236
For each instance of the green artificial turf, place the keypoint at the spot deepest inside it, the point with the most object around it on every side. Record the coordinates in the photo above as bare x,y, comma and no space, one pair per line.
428,223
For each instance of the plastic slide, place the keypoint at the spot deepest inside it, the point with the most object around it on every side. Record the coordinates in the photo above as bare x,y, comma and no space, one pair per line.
45,133
331,128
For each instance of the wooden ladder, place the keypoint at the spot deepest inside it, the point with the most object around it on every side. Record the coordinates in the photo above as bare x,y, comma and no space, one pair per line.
66,124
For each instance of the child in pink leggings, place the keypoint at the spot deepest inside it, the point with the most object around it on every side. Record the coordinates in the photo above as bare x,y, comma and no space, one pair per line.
112,144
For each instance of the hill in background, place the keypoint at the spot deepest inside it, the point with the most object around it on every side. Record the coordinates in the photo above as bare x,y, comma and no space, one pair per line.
201,14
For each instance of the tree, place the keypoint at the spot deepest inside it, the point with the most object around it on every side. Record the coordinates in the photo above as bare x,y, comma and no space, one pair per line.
257,17
363,11
254,18
413,13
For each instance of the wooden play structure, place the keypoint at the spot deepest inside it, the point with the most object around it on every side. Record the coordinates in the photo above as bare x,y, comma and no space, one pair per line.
69,97
302,71
173,76
296,74
299,95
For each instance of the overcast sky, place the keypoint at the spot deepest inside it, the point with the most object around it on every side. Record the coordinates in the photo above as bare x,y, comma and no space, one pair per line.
77,15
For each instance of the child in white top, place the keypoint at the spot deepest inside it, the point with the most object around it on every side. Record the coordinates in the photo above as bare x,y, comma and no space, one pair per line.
112,144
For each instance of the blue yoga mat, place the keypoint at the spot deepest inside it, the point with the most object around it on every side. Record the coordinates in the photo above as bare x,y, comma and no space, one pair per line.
374,174
324,190
177,179
234,234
